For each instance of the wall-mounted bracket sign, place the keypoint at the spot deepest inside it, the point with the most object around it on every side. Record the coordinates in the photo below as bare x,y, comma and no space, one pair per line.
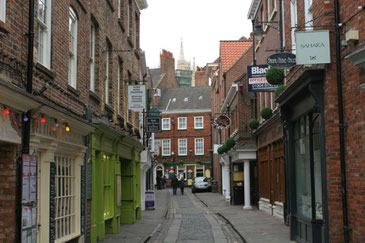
153,124
313,47
222,121
282,60
256,77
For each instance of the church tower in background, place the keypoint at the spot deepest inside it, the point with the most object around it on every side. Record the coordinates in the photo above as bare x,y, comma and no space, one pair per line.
184,71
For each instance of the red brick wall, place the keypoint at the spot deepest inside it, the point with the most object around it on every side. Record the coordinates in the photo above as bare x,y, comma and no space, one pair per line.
8,192
190,134
354,115
201,79
168,68
353,100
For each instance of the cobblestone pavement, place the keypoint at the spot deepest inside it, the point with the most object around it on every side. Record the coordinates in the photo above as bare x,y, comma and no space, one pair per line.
189,221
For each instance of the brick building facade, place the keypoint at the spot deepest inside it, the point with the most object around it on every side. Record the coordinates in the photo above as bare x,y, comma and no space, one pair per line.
184,145
321,117
200,77
73,92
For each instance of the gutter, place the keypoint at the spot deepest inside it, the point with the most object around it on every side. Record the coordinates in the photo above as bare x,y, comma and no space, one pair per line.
341,125
229,97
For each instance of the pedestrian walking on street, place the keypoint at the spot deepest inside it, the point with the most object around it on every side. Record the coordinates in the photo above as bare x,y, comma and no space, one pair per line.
175,184
163,182
182,185
158,180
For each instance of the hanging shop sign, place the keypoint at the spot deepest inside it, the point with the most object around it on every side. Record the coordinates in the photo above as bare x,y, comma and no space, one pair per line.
222,121
313,47
136,97
281,60
153,120
153,124
257,81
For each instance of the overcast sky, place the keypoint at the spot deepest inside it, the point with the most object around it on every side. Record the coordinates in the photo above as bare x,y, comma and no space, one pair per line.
200,23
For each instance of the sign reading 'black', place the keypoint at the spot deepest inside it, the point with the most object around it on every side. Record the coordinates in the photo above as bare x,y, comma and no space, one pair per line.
282,60
153,124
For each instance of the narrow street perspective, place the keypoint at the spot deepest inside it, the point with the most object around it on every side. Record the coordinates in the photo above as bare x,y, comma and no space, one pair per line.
188,121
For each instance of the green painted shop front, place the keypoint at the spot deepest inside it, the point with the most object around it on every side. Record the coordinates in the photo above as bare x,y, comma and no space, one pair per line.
116,189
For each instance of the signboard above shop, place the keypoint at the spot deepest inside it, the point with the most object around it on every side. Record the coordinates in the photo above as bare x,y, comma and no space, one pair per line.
313,47
282,60
257,79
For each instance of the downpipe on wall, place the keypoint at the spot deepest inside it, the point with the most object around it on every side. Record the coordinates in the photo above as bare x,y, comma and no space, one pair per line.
341,123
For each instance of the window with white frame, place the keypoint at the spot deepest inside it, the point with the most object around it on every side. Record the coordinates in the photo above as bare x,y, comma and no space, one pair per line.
65,197
165,124
294,22
72,60
44,32
272,100
3,10
107,64
199,170
182,123
198,122
120,7
199,146
271,7
308,13
128,17
119,70
183,146
166,147
92,57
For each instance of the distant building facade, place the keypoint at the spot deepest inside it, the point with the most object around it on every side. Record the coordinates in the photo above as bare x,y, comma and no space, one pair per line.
183,148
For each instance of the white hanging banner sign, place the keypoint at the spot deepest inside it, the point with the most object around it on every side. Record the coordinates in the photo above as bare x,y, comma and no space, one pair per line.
137,97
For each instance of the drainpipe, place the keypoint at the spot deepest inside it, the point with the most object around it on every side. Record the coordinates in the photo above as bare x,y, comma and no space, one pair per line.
26,127
341,123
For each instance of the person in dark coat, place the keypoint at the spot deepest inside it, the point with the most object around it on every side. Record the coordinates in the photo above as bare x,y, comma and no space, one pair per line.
158,180
175,184
182,185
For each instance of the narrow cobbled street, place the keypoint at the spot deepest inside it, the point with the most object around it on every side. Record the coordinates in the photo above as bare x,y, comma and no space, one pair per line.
189,220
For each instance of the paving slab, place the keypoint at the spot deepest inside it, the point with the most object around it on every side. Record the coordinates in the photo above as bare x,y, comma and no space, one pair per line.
254,225
143,228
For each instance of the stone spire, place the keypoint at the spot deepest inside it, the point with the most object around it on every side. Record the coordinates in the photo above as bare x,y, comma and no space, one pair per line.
182,51
182,63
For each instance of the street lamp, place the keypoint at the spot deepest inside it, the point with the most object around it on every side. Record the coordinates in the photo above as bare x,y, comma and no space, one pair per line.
258,32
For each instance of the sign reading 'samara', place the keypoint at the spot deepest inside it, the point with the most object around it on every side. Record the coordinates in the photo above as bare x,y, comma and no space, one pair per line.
257,79
313,47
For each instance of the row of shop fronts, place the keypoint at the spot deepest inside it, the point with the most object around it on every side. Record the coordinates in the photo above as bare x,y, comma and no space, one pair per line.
86,172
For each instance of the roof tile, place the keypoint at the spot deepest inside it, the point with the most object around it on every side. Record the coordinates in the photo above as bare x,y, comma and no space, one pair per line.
230,51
